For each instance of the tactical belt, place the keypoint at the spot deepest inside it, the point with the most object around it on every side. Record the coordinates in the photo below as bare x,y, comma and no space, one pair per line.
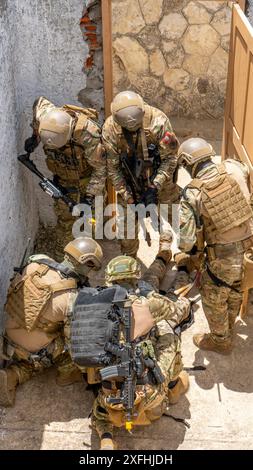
219,282
43,356
219,250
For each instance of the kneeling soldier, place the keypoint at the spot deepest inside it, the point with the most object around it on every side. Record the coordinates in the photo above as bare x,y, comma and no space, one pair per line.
38,304
134,343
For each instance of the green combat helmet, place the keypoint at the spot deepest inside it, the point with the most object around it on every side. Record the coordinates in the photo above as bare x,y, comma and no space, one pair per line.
193,151
122,267
55,128
128,110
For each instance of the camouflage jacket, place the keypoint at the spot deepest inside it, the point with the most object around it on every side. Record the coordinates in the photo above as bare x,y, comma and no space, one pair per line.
161,306
90,162
158,131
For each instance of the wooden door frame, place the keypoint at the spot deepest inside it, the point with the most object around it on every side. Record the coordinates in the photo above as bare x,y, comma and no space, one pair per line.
106,6
107,54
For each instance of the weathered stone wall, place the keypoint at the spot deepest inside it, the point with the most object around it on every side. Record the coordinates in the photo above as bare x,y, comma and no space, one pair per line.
174,53
249,11
18,207
42,52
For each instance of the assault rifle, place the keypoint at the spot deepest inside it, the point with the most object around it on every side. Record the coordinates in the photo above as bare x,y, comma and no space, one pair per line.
137,171
132,364
48,186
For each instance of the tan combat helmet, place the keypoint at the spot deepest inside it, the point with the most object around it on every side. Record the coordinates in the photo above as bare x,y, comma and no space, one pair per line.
193,151
128,110
55,128
84,251
122,267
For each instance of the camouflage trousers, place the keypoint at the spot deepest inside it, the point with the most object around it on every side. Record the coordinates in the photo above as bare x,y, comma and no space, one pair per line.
151,400
155,273
150,404
169,194
63,229
221,305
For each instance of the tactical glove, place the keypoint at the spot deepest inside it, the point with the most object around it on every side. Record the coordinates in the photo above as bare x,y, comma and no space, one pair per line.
89,200
183,262
31,143
150,196
188,263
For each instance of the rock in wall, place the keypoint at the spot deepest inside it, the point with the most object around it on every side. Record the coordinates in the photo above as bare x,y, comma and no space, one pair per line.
174,53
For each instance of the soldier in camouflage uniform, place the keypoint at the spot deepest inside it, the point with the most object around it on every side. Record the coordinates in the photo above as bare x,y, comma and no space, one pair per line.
151,400
71,139
207,221
132,128
38,310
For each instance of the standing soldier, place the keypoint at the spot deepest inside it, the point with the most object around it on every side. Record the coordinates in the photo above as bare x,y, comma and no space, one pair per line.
38,310
71,139
216,215
156,334
141,152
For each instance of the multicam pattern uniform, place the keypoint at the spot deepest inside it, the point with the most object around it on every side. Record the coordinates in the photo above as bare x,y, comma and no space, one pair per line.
80,167
24,345
157,130
225,258
151,401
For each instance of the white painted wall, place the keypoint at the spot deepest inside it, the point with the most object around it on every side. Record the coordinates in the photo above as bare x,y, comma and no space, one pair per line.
42,52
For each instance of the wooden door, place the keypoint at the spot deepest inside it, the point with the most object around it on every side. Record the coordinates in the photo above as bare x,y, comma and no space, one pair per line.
238,122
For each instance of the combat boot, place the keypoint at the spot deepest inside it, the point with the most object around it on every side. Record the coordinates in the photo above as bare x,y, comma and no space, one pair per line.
165,252
8,384
180,388
107,442
68,376
205,342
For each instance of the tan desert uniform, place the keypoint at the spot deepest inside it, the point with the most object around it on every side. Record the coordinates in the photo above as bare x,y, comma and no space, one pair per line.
37,306
158,131
79,166
220,198
151,400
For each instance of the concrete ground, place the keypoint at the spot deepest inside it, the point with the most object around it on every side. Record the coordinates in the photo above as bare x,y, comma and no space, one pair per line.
218,405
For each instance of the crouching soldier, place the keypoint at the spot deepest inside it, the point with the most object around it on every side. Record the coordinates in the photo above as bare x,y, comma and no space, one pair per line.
71,139
37,307
133,342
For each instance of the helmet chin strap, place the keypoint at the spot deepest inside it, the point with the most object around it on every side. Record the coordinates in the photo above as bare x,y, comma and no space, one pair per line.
200,166
82,270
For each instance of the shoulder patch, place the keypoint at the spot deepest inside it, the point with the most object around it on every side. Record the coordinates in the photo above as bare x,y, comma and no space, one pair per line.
169,139
93,128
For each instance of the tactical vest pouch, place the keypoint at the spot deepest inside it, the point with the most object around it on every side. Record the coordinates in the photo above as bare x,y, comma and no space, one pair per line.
149,405
90,113
247,281
29,295
94,324
225,203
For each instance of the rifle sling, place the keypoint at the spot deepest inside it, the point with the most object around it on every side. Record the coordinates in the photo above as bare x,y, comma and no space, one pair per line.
64,270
